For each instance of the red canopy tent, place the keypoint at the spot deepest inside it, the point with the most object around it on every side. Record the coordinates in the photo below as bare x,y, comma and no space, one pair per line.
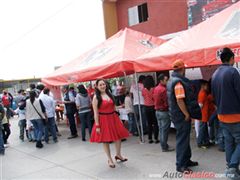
198,46
109,59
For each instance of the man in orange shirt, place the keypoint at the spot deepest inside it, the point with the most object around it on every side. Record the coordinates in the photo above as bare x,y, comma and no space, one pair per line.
226,93
183,106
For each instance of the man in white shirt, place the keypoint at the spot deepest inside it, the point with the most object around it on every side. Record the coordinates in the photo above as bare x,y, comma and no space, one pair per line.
49,104
136,91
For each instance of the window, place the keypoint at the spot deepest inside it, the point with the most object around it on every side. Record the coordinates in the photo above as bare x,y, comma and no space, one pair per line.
137,14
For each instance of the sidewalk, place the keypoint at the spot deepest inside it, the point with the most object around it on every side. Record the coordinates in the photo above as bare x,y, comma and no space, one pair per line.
74,159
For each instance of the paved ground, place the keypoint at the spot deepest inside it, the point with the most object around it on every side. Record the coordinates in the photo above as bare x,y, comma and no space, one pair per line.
74,159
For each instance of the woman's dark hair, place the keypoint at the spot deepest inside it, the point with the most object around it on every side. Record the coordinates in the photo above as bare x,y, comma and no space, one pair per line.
81,89
148,82
98,93
40,87
32,96
20,91
203,82
161,77
46,91
32,86
141,78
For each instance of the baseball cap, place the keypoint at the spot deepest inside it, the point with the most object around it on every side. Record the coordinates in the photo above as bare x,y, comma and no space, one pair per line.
178,64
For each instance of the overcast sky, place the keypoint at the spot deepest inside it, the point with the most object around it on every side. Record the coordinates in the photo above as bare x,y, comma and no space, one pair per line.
36,35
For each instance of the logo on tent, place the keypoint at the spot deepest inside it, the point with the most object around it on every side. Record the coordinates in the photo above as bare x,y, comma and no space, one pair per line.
72,78
231,29
96,55
236,52
147,43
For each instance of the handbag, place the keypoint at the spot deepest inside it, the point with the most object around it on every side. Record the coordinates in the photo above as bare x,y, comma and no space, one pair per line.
43,119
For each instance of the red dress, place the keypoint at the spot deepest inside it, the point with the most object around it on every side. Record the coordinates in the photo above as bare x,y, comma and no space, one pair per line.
111,127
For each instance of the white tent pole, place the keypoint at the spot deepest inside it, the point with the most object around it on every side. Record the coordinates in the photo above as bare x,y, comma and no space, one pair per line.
139,110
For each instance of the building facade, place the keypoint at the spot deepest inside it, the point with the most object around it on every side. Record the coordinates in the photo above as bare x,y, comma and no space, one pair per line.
154,17
159,17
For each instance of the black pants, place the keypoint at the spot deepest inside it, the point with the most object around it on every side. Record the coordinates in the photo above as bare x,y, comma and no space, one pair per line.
85,119
72,124
6,132
152,122
56,128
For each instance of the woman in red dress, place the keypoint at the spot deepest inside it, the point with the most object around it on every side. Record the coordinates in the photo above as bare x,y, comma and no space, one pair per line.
107,127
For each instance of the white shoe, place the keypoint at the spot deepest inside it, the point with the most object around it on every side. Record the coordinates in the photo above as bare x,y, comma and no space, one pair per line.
6,145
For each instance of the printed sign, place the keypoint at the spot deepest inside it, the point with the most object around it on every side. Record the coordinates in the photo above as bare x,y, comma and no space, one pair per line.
236,52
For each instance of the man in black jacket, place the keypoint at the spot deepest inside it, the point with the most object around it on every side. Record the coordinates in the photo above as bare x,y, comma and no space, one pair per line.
183,106
71,109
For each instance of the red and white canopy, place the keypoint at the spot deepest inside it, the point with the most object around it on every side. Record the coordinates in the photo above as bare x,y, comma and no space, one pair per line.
109,59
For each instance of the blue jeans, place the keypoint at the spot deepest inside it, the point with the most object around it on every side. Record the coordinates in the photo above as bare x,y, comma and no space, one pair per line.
164,124
22,126
220,137
142,111
131,123
183,149
203,137
38,128
216,132
213,124
85,119
31,135
50,125
231,133
2,150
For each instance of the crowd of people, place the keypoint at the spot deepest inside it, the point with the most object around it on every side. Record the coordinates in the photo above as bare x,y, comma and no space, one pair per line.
36,115
213,105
